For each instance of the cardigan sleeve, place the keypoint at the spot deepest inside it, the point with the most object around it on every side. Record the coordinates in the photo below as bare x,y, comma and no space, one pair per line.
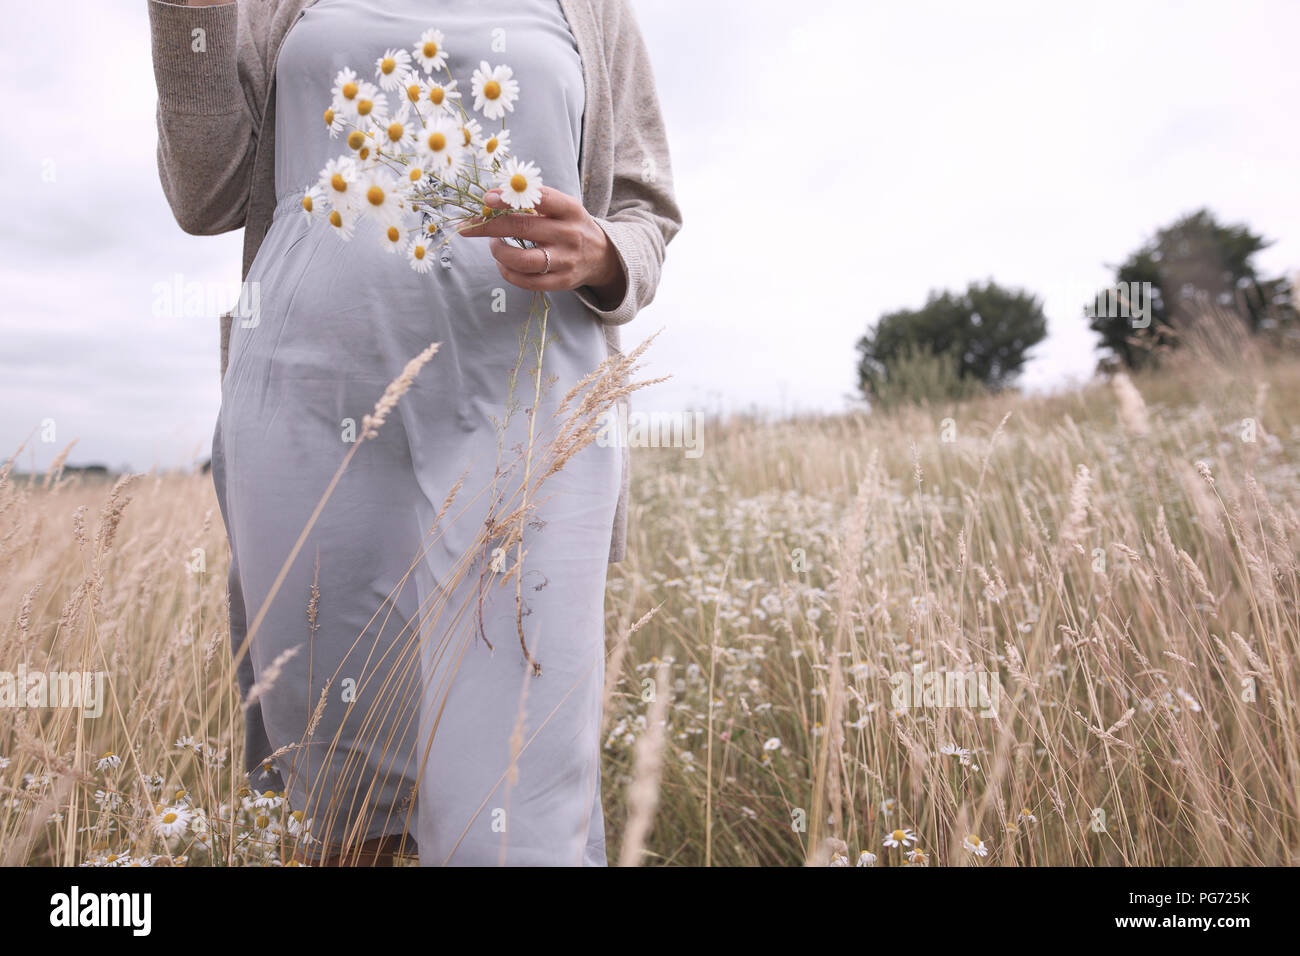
211,80
643,214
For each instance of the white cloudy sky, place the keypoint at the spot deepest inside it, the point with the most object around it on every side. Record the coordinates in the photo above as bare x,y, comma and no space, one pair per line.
834,161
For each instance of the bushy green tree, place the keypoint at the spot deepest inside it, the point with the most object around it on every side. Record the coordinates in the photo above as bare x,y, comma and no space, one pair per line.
1189,266
983,335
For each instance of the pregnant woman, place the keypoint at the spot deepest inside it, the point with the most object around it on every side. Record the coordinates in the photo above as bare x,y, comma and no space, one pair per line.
394,689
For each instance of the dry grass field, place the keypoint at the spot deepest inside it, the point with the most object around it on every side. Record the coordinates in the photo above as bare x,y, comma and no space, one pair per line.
1115,566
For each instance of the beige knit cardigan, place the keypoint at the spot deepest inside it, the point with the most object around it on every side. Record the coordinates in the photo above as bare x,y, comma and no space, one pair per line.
216,140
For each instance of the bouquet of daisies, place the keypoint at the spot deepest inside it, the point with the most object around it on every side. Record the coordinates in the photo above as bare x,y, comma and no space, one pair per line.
416,161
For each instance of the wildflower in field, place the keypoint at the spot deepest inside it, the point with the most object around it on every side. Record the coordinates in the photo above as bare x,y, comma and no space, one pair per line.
900,838
975,845
298,823
171,821
4,763
107,800
267,800
888,806
952,750
772,743
917,857
1026,816
867,858
110,761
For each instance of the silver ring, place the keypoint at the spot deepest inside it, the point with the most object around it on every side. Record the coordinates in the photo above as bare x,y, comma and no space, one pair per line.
548,262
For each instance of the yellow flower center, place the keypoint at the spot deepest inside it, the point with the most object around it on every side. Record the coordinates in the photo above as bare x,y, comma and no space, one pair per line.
436,95
430,50
393,234
349,91
329,117
375,195
297,815
395,131
413,92
973,840
898,836
306,203
518,183
437,142
388,65
169,818
491,89
419,252
417,175
465,132
339,183
356,139
262,822
491,145
335,219
364,107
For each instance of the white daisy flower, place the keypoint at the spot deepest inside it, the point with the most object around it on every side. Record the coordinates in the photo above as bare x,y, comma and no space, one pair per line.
4,763
267,800
379,195
975,845
365,144
313,202
171,821
888,806
398,136
917,857
441,94
438,147
496,146
521,183
900,837
110,761
471,133
369,105
347,86
416,89
334,121
298,823
866,858
393,239
420,253
338,182
772,743
392,69
429,52
344,220
1027,816
494,90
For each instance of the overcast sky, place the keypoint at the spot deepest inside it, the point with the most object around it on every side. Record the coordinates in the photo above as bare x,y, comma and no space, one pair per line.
834,161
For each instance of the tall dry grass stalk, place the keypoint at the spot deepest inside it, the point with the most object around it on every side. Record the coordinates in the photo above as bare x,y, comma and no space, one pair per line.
1121,561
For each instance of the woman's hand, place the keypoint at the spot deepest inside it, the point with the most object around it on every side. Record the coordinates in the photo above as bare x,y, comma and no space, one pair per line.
579,251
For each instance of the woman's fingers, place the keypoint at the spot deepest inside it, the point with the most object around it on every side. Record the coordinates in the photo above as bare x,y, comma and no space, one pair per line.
520,260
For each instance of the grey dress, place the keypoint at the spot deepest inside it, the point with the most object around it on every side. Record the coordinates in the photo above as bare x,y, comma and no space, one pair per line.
432,721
